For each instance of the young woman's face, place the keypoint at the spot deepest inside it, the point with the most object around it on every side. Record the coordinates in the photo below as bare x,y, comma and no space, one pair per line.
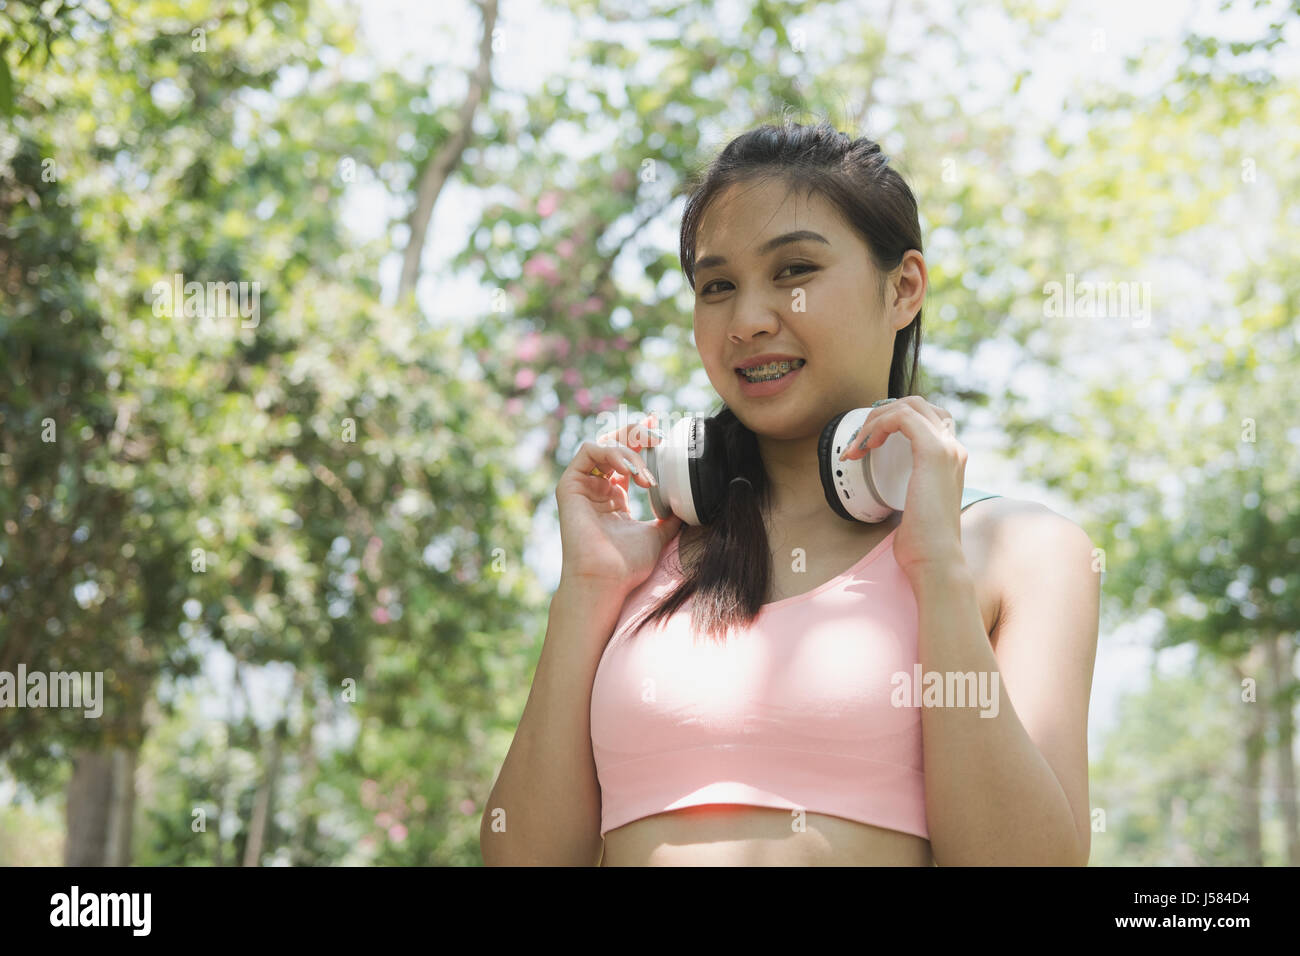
811,299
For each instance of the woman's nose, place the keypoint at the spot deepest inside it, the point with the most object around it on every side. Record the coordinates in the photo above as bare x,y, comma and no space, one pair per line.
750,319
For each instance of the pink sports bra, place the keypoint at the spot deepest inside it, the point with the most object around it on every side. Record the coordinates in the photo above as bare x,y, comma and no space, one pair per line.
793,713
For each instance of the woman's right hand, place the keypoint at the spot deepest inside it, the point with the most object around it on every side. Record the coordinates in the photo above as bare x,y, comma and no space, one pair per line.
601,540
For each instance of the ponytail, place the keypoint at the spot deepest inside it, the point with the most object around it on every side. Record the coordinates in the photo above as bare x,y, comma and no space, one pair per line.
729,569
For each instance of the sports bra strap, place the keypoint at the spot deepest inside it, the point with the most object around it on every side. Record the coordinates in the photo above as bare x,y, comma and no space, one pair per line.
971,495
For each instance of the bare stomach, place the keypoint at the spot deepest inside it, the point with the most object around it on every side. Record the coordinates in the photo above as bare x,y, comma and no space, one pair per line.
728,834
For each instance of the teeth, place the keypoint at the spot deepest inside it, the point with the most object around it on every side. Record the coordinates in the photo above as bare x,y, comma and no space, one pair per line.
772,370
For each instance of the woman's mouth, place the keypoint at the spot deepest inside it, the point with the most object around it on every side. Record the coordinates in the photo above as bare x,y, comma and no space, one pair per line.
764,380
771,371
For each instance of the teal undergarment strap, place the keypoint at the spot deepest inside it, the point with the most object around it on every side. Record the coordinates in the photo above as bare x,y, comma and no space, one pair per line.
971,495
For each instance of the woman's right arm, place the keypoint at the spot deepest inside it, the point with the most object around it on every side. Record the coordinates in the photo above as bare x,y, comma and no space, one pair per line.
544,809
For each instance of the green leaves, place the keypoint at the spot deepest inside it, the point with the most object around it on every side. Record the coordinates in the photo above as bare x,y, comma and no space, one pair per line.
6,83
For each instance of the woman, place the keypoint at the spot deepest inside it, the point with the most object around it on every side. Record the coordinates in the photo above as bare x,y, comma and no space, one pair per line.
797,739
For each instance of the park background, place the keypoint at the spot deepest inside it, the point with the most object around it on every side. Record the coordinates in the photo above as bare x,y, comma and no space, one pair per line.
313,557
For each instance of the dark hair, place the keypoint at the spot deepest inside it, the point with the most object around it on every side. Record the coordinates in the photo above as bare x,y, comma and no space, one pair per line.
729,570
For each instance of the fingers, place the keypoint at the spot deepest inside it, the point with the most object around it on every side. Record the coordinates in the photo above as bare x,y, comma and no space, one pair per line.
639,434
941,419
619,501
612,458
601,469
871,435
856,446
600,491
869,429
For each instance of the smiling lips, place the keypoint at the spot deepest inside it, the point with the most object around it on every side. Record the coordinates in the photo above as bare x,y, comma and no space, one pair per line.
770,371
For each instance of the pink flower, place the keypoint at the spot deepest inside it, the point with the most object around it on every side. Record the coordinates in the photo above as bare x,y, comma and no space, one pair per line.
397,833
621,179
583,398
380,615
561,347
547,203
383,820
514,406
529,347
607,403
571,376
561,411
620,344
369,790
575,310
594,303
542,265
467,807
565,248
524,378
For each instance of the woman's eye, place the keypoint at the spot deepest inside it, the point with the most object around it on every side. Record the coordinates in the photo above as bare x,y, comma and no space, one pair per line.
794,265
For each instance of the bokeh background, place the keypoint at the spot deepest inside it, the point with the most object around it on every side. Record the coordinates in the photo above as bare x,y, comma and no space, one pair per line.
311,551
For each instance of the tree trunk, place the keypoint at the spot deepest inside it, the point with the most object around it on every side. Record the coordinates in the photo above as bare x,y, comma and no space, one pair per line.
121,813
1253,750
220,784
89,793
262,802
307,781
1281,663
100,808
437,170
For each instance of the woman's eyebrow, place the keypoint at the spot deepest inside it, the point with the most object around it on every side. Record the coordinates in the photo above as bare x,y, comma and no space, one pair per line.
766,247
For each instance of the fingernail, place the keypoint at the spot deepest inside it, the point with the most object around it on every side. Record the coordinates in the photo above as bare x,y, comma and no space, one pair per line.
651,479
631,467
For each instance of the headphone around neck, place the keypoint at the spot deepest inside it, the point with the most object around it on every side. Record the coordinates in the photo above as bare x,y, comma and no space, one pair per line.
691,470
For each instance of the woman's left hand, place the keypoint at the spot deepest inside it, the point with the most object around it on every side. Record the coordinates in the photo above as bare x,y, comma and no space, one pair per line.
929,535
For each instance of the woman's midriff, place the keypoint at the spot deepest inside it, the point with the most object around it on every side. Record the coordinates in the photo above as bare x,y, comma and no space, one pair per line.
728,834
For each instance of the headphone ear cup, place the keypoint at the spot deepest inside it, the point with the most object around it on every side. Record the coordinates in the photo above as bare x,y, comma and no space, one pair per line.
827,465
685,465
709,476
657,461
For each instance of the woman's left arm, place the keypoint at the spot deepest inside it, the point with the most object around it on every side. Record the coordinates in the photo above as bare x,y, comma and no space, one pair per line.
1004,785
1012,789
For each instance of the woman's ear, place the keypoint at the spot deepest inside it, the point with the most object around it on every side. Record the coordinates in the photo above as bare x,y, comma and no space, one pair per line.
905,289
